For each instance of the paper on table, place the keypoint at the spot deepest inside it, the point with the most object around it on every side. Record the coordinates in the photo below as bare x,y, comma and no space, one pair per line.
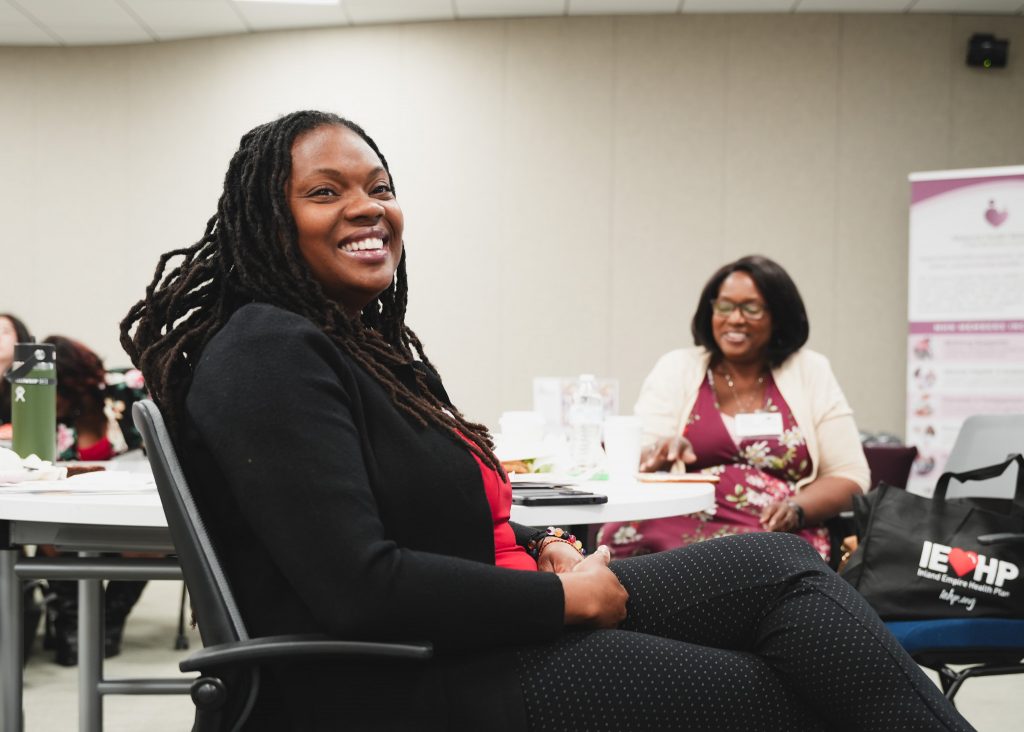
676,478
106,481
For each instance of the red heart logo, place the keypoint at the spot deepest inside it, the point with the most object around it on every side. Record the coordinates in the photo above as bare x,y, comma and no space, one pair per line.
962,562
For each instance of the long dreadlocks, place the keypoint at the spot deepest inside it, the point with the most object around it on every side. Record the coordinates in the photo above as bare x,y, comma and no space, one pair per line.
249,253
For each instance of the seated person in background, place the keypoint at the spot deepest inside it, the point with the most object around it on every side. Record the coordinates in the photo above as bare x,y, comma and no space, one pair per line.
94,420
754,407
12,331
348,496
93,423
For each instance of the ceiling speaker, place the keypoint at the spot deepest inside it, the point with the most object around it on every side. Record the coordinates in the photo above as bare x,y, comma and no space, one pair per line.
984,50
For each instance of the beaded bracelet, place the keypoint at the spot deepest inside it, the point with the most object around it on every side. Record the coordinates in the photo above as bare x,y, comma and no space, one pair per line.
542,538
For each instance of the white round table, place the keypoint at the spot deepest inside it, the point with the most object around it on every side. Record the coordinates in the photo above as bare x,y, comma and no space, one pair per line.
101,512
628,500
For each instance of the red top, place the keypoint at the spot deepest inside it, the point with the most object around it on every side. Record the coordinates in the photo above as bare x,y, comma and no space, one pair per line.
102,450
507,553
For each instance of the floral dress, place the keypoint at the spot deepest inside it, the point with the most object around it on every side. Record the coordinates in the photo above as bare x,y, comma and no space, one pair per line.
751,474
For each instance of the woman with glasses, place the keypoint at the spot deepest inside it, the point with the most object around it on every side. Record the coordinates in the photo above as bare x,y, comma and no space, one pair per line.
753,407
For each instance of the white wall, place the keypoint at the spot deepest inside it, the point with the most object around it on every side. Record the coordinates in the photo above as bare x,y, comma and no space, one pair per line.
569,183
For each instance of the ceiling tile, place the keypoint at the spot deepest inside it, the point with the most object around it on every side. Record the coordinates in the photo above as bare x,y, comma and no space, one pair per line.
738,6
972,7
9,15
90,14
853,6
75,22
398,11
622,7
274,16
81,35
18,30
12,36
187,18
508,8
86,23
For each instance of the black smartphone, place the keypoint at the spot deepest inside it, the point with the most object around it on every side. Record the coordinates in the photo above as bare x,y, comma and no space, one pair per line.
538,494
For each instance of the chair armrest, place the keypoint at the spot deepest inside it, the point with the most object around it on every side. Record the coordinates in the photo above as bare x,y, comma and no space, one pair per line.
986,539
291,647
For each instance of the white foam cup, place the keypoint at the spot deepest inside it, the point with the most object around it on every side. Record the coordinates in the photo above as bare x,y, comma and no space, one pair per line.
521,428
622,446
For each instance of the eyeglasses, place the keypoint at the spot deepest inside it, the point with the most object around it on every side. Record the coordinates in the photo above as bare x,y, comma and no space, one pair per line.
750,309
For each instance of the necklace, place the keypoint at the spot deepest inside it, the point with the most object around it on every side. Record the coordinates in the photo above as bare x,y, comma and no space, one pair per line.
744,405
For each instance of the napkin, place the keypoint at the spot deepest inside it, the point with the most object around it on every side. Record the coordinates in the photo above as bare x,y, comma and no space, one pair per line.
15,470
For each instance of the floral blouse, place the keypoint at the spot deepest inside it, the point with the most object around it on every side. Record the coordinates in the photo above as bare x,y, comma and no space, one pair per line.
752,473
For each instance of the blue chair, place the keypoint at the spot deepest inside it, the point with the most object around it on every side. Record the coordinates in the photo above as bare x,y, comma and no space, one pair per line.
988,646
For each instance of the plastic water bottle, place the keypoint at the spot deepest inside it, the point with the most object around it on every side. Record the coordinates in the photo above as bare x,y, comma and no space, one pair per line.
586,415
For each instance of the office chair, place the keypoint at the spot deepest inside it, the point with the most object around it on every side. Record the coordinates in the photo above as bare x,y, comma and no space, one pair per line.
229,663
888,463
986,439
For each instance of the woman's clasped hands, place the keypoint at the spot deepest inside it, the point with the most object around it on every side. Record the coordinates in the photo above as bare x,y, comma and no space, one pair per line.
593,594
780,516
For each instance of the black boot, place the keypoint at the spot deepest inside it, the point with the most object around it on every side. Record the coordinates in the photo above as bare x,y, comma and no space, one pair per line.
120,598
62,621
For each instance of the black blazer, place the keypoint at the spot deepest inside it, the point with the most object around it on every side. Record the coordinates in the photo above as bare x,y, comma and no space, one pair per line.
334,512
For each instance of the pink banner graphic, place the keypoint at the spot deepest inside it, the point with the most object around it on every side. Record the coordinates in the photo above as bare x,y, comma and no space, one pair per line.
965,304
970,327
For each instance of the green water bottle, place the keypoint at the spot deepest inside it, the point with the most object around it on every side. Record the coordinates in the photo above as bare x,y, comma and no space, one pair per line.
33,378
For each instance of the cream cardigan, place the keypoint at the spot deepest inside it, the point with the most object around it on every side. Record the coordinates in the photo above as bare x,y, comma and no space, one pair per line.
805,381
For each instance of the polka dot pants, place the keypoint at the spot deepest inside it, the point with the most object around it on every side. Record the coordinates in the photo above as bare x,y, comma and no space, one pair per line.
748,632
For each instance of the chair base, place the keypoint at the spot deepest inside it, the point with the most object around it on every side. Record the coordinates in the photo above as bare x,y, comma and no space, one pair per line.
987,646
951,680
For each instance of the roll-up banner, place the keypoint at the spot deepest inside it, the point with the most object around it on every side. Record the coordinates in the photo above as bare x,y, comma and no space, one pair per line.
965,346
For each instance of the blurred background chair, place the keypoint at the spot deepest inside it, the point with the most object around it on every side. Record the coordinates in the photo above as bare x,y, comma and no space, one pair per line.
889,461
986,439
230,661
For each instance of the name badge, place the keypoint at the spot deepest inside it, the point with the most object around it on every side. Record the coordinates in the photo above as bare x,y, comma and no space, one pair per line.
758,424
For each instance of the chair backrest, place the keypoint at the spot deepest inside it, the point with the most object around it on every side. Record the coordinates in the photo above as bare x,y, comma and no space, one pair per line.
986,439
890,463
212,599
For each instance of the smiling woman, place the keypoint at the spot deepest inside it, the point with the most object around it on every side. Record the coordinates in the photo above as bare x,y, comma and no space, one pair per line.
754,407
349,223
348,496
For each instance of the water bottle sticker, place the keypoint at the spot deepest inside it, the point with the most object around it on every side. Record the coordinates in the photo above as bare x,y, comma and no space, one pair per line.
19,393
35,381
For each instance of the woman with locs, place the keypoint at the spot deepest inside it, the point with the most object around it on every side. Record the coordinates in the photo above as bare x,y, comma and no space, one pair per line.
348,496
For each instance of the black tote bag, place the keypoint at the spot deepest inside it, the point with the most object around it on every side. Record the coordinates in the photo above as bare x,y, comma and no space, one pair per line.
919,558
